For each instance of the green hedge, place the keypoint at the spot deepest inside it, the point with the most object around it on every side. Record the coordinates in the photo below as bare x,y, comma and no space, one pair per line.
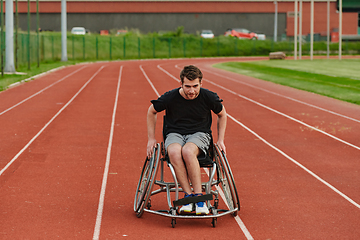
47,47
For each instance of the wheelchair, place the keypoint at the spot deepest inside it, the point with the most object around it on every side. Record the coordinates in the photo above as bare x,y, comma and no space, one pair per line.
220,183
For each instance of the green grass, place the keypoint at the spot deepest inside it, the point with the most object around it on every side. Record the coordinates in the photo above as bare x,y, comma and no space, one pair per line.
9,79
46,48
338,79
332,78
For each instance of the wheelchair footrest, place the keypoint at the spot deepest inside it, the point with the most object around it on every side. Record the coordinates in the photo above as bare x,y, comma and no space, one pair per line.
194,199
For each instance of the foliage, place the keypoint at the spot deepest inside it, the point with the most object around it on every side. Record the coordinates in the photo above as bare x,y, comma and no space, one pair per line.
132,44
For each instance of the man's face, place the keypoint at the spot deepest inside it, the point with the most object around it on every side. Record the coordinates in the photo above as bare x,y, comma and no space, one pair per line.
191,88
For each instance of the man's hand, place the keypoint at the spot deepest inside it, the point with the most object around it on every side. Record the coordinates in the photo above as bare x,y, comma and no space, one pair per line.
150,147
221,145
151,123
221,124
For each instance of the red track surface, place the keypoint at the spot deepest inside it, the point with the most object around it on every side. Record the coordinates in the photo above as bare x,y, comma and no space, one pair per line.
294,155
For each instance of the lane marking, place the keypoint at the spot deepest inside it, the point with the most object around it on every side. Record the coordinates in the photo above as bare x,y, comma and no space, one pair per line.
107,165
297,163
237,218
287,116
273,110
147,78
283,96
281,152
48,123
37,93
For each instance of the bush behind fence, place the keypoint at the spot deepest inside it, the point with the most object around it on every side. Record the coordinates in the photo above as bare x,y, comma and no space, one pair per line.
47,47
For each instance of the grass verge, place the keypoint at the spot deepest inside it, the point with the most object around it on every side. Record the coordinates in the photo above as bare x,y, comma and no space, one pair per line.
25,74
338,79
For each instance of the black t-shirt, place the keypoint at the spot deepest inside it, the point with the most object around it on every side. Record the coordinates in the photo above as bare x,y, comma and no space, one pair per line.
188,116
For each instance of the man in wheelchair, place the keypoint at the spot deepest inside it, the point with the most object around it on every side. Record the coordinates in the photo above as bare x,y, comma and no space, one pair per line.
187,133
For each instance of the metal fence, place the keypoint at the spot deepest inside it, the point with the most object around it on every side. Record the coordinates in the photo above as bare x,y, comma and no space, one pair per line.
45,47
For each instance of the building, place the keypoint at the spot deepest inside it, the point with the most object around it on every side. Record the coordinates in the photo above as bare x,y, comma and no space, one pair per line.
165,15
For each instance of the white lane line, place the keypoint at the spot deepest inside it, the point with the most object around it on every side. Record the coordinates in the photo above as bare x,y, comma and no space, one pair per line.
107,165
37,93
297,163
147,78
167,73
281,152
285,115
237,218
48,123
283,96
275,111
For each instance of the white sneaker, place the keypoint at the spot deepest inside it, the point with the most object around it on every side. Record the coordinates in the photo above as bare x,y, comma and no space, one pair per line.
188,208
201,208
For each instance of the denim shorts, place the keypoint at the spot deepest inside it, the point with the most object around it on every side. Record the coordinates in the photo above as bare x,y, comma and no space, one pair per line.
200,139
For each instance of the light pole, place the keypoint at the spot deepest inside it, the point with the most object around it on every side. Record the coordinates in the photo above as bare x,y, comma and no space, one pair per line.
9,37
28,39
275,21
312,29
300,28
295,28
37,33
340,28
63,32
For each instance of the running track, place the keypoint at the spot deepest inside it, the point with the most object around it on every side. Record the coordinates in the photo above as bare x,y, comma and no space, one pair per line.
73,143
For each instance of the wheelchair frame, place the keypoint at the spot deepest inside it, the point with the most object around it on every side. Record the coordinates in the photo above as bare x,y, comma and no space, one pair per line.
221,182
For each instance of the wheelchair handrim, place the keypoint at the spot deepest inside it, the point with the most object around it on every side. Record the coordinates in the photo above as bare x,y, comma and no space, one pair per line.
222,161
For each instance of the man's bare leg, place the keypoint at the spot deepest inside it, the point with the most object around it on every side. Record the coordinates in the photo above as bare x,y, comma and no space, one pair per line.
176,159
189,154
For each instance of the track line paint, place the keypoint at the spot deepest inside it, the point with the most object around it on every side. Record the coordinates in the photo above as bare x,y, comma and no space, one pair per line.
37,93
283,96
107,165
275,111
281,152
167,73
48,123
147,78
285,115
297,163
237,218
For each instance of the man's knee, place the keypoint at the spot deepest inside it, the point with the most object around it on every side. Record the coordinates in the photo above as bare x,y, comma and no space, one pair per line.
190,151
174,152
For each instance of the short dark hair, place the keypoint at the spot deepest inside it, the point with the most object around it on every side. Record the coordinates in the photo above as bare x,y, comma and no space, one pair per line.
191,72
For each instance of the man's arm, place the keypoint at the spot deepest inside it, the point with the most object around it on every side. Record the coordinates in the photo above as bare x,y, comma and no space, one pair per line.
151,124
221,126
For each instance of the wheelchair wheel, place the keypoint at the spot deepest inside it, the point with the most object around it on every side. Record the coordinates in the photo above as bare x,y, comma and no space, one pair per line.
226,180
147,178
